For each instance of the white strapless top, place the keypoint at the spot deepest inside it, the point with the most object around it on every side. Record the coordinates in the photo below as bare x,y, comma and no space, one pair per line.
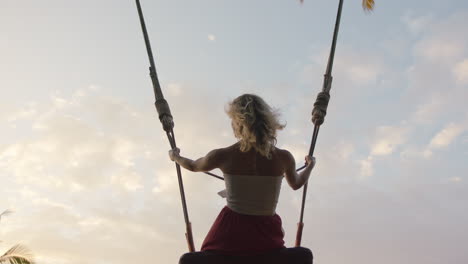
251,194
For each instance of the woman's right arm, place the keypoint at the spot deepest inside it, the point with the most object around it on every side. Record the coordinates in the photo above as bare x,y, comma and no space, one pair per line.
294,179
211,161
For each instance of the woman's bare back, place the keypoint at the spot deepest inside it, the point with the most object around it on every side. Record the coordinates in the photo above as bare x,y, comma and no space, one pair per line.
251,162
233,161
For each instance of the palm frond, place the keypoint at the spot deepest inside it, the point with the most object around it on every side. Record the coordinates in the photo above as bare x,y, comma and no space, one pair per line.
5,213
17,255
368,5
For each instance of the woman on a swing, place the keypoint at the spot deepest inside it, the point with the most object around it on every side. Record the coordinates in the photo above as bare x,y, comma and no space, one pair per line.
253,170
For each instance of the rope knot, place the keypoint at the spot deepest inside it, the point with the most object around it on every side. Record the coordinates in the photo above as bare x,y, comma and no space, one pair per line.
165,115
320,108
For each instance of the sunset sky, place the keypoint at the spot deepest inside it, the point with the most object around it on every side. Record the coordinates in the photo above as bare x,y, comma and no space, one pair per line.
83,157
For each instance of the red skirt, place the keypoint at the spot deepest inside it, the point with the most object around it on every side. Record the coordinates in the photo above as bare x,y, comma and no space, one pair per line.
242,235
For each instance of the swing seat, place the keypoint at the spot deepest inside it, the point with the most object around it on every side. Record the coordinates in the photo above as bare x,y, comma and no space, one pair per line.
296,255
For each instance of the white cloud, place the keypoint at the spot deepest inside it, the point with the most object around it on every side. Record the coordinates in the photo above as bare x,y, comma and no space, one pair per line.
357,66
84,141
367,167
411,152
354,65
441,140
124,151
437,79
456,179
444,41
25,113
59,102
440,49
388,138
93,177
345,150
386,141
417,24
129,180
461,72
362,73
174,89
340,152
211,37
165,181
429,110
446,136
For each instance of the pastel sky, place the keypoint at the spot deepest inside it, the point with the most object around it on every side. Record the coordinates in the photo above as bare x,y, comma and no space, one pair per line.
83,157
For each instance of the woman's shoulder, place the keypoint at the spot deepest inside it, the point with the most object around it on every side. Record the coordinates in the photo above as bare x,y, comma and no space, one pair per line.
282,153
230,149
225,150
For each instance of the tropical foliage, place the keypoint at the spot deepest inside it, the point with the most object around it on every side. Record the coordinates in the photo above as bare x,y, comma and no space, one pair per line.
368,5
18,254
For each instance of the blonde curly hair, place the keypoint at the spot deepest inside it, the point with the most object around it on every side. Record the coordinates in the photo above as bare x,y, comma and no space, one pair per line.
254,123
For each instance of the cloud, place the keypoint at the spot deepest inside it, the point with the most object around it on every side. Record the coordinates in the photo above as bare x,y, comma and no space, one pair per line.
440,49
211,37
388,138
428,111
456,179
436,76
95,171
354,65
70,234
417,24
444,138
25,113
79,142
344,150
461,72
175,89
443,41
90,180
367,167
165,183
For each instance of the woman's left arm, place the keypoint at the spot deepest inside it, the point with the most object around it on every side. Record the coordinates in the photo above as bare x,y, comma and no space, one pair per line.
211,161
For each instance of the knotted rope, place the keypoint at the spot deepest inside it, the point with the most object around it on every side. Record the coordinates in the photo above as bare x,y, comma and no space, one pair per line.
165,115
318,114
166,119
320,108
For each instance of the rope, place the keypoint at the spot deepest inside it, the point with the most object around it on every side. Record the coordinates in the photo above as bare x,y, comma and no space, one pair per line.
318,117
318,114
168,124
320,108
165,115
221,178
